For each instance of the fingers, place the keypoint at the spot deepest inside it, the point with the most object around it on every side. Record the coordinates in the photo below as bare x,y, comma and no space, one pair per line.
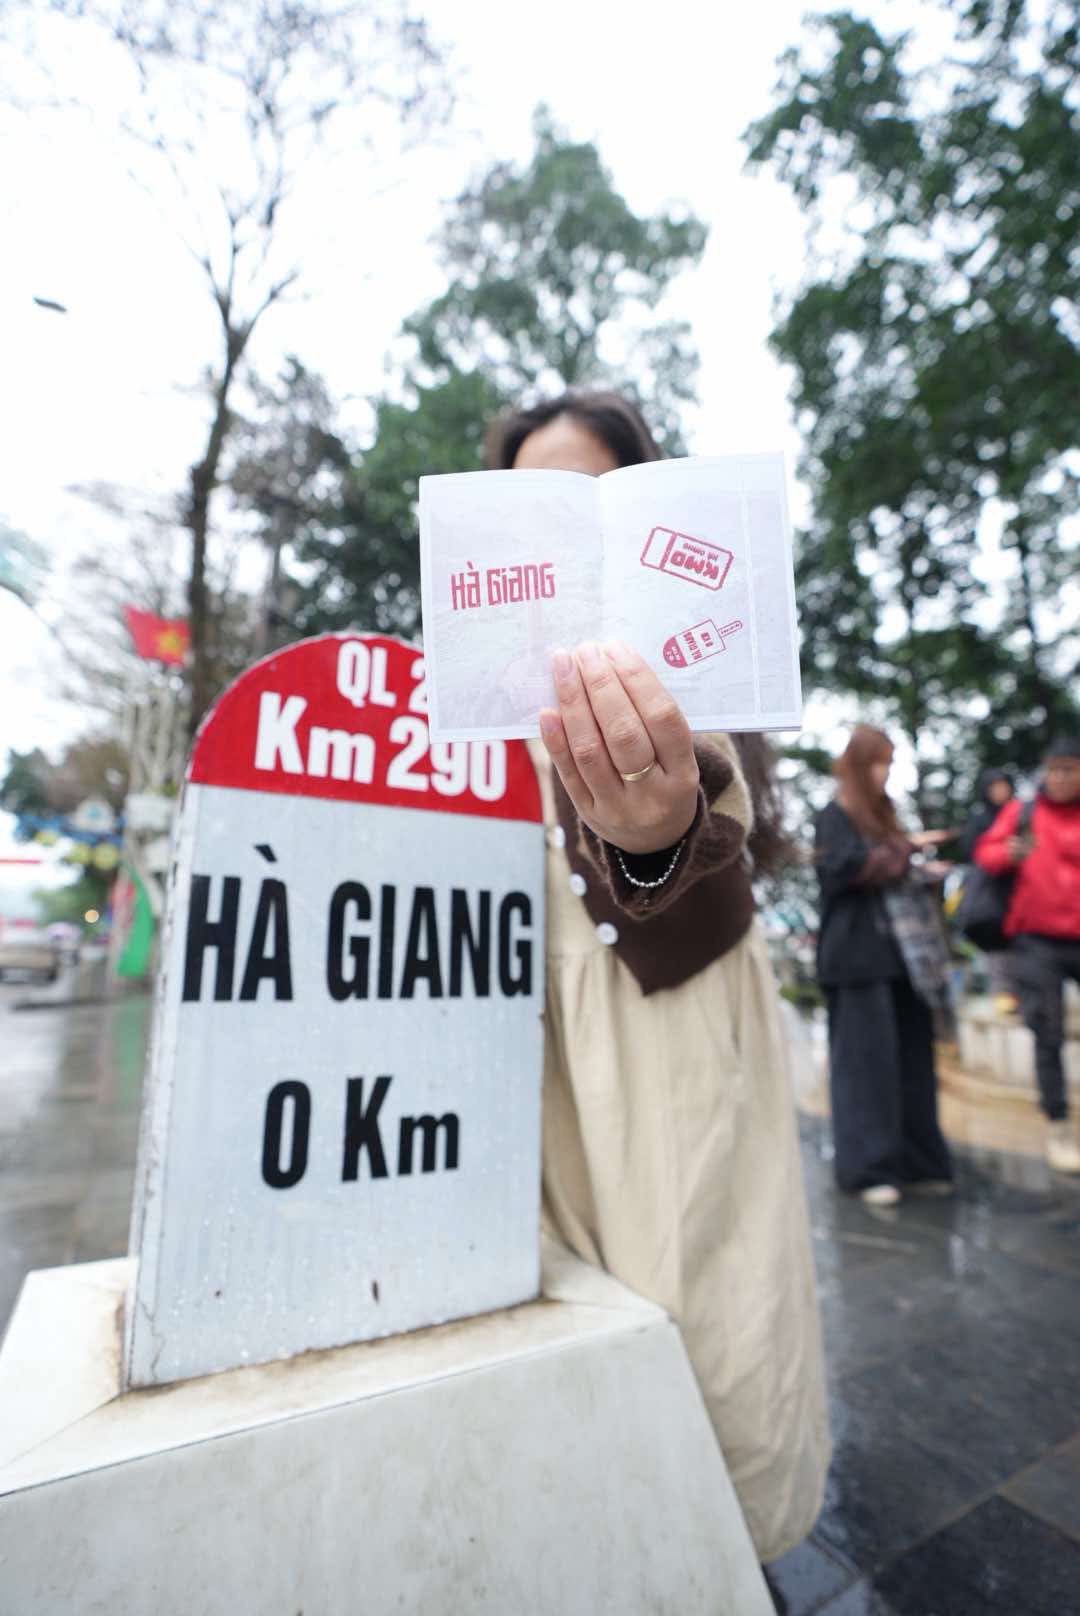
553,735
659,713
625,736
615,719
617,716
586,744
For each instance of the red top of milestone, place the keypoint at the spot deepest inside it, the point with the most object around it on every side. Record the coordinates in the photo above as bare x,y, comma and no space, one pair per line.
345,716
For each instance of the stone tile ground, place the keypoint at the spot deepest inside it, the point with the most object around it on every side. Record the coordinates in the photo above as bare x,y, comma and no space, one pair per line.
952,1331
951,1335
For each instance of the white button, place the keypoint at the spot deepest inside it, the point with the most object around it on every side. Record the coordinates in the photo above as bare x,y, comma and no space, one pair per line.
558,837
607,932
578,885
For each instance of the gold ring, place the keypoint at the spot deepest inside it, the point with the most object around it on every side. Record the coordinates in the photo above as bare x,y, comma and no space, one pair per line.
638,774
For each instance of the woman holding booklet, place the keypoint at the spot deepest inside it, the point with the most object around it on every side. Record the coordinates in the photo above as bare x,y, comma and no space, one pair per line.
670,1148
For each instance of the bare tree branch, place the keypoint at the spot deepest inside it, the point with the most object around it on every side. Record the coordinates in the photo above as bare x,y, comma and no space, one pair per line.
231,100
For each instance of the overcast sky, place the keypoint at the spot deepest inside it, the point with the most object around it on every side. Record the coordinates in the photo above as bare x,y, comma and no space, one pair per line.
106,392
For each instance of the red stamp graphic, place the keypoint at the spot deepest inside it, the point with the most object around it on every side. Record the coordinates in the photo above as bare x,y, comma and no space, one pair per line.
693,559
695,644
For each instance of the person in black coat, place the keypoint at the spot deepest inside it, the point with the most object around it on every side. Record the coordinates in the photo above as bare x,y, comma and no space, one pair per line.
995,787
881,1050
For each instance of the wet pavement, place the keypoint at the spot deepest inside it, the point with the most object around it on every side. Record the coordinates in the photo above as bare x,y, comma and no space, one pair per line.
952,1332
70,1086
952,1329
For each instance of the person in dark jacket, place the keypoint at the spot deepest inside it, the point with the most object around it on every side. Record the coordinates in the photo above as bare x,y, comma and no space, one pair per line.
994,788
881,1050
1043,923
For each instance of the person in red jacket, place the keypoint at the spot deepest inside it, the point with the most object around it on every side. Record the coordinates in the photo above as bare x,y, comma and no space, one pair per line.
1043,923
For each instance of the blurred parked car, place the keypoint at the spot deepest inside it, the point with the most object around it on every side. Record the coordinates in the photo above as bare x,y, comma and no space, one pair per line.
68,938
28,949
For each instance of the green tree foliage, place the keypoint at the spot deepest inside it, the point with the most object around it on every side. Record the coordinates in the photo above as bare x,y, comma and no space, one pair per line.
552,280
339,525
363,571
936,376
92,765
24,788
289,473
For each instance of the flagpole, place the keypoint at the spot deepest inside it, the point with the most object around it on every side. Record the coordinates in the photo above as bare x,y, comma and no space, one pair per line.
164,710
149,735
128,737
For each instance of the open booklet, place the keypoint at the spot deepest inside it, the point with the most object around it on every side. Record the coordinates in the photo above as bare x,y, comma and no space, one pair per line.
688,561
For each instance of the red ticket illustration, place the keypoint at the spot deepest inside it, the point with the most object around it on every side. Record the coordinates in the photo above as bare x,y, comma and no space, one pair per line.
695,644
693,559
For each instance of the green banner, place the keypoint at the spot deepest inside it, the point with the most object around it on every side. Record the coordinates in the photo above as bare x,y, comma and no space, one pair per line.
134,960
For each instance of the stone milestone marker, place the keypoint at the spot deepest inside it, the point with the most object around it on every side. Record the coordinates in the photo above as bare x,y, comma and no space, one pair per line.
341,1137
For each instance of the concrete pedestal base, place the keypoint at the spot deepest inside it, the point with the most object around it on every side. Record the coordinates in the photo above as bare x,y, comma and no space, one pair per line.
552,1458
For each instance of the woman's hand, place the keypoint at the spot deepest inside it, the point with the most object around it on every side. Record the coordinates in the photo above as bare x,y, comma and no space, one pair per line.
930,838
615,718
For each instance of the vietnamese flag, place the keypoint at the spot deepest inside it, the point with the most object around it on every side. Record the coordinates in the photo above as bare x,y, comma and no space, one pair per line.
159,639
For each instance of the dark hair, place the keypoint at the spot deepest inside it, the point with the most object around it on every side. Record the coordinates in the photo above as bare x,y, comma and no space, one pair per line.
621,428
871,807
617,422
1062,746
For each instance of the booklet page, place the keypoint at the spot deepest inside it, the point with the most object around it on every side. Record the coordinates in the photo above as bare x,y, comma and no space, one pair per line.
510,568
688,561
698,579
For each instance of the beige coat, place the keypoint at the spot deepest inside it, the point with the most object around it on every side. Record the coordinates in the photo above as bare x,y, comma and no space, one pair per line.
671,1160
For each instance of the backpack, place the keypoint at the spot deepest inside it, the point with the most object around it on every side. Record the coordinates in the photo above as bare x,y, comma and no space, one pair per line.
984,900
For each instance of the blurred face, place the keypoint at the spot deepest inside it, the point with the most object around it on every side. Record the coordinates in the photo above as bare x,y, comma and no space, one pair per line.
1000,791
564,445
879,772
1061,779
